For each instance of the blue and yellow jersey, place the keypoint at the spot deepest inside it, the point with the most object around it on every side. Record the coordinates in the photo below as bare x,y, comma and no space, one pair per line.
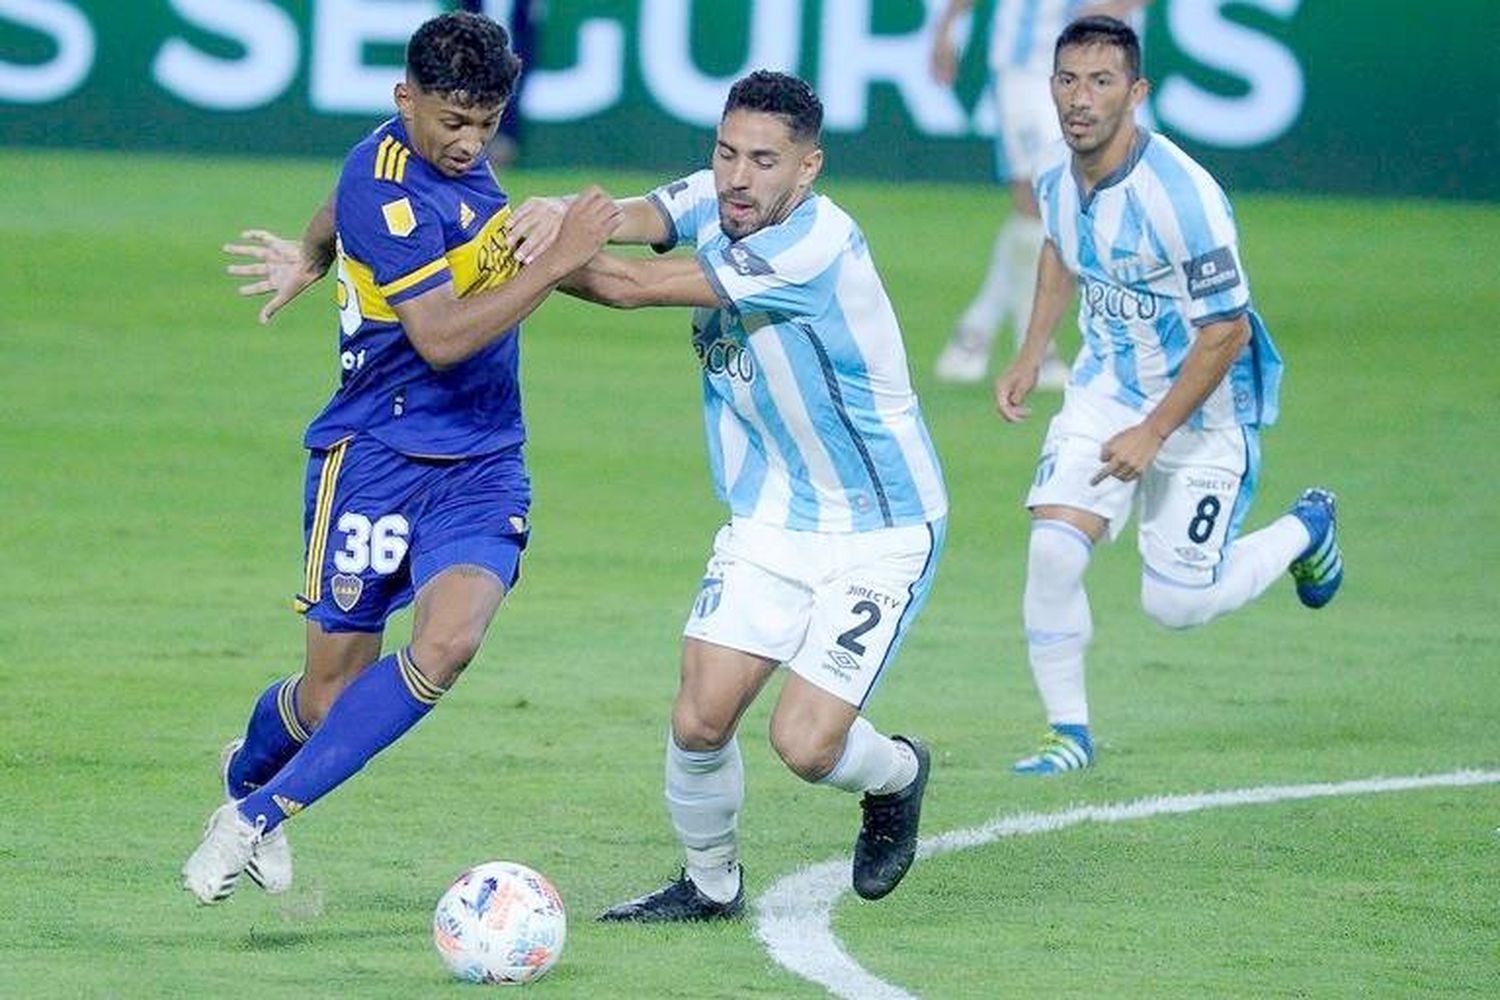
404,228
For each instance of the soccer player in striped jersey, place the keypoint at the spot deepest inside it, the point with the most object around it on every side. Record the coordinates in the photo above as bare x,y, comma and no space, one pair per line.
1175,379
416,484
836,499
1022,33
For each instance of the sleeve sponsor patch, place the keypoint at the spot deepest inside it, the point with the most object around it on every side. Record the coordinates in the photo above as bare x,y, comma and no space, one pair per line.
1212,273
745,261
399,218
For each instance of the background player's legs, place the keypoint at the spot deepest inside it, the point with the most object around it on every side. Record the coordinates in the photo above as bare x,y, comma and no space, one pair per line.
1007,290
1059,625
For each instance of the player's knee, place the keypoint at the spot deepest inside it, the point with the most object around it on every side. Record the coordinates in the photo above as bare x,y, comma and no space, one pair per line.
806,754
693,730
1057,556
442,656
1176,607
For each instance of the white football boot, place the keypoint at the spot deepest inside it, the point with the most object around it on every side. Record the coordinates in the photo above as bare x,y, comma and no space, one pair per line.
229,842
270,864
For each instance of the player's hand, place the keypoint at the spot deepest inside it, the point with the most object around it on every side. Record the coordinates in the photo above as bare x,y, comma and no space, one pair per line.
589,222
1127,454
533,227
1012,386
276,264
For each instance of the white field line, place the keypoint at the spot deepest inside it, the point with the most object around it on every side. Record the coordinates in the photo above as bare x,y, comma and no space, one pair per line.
793,917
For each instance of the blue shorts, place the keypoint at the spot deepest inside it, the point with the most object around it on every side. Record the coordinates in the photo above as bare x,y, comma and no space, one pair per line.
379,524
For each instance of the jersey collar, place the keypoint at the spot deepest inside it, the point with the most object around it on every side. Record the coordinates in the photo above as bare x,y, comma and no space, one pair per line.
1138,144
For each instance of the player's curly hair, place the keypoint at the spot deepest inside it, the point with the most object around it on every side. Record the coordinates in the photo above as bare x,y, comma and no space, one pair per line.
780,94
464,57
1103,31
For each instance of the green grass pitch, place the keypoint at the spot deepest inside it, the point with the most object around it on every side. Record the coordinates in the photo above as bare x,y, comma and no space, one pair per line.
150,526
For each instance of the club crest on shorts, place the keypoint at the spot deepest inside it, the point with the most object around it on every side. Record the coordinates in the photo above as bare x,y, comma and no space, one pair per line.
346,588
709,593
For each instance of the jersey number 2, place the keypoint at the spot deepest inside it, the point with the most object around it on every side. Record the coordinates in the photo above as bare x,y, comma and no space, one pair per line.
850,639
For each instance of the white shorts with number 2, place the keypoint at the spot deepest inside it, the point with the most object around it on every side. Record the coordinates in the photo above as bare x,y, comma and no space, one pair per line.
833,607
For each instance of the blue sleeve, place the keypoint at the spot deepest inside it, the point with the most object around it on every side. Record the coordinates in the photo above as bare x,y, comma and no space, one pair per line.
393,231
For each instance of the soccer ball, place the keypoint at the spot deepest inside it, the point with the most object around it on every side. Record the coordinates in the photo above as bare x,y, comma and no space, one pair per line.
500,922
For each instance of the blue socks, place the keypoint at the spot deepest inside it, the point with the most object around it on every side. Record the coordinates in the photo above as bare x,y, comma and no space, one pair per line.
382,703
274,734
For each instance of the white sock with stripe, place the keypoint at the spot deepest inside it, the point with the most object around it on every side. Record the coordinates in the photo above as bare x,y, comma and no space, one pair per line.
1059,624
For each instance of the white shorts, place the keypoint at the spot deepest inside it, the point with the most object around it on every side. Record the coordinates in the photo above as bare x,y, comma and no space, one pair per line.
1194,497
833,607
1028,120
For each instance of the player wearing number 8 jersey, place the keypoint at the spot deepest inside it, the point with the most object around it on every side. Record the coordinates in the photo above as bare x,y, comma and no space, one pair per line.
1176,377
416,486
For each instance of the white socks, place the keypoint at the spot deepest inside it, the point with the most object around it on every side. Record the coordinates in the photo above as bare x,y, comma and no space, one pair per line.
871,762
1058,622
986,312
705,789
1251,565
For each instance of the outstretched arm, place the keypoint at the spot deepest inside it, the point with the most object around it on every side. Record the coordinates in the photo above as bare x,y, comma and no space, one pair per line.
284,267
632,282
532,227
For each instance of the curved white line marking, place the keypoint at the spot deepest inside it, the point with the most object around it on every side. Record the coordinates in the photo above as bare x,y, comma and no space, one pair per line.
793,917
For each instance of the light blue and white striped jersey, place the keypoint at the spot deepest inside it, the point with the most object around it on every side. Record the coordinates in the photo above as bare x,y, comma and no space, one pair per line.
1156,255
1023,33
807,401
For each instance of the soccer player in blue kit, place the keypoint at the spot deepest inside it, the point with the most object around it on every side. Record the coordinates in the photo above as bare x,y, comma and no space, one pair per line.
837,504
416,484
1166,400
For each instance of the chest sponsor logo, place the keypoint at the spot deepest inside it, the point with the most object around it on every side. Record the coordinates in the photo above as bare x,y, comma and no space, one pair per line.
724,356
1118,303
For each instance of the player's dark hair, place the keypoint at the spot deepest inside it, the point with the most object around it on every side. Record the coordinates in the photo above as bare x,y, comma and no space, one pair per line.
1103,31
783,95
464,57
